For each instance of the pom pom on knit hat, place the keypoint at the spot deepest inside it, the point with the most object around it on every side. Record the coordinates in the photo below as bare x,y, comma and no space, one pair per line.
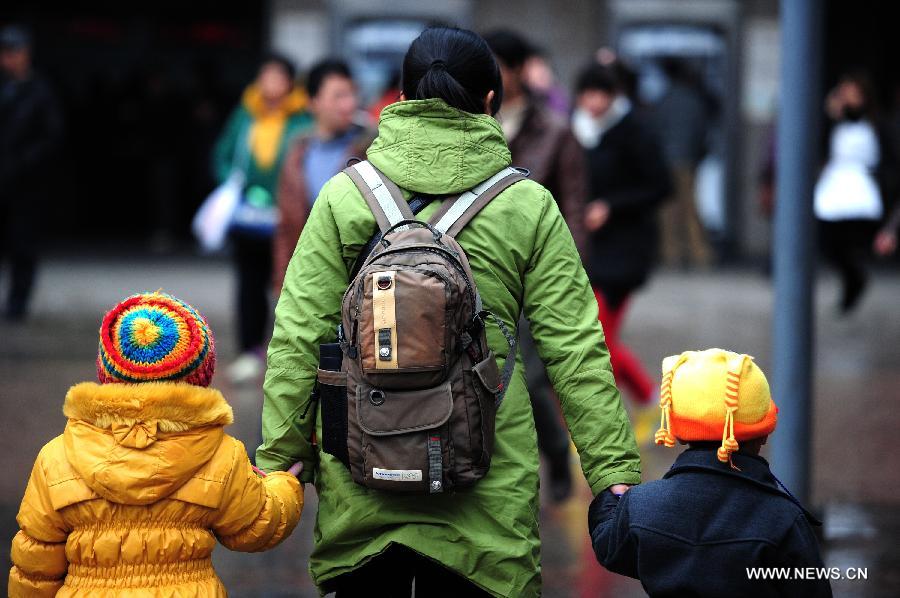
714,395
154,337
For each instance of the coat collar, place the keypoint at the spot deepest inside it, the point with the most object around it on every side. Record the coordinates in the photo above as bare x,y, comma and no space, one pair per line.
752,469
169,406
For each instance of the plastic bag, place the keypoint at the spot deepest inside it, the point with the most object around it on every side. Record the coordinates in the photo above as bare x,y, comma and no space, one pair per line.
213,220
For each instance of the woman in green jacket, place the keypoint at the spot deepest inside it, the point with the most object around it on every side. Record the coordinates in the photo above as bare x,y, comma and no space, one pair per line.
254,141
443,140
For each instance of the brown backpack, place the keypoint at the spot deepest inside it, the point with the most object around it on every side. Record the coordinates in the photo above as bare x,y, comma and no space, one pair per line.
413,404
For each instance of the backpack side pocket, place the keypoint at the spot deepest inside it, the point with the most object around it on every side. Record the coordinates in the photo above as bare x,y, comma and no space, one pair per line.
333,398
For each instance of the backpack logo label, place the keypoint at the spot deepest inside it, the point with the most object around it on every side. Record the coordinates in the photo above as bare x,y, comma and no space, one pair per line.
397,475
385,316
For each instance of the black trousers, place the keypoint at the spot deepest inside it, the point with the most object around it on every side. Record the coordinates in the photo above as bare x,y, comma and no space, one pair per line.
253,262
846,246
391,575
19,249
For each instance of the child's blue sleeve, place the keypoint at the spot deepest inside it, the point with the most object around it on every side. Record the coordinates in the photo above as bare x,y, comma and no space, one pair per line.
611,537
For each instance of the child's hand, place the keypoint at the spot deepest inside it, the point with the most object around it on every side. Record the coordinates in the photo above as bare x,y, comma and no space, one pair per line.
619,489
296,469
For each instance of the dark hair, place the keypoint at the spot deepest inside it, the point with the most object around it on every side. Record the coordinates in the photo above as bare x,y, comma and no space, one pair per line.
861,78
280,60
510,47
454,65
324,69
596,77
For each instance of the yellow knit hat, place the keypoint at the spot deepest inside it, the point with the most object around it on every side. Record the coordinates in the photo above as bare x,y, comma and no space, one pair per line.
710,394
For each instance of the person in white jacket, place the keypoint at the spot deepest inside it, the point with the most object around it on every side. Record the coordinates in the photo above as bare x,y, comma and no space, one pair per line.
854,185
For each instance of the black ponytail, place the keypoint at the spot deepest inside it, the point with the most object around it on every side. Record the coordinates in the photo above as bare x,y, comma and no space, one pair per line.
454,65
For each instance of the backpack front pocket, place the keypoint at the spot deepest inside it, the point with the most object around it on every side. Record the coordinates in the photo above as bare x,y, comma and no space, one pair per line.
402,327
404,437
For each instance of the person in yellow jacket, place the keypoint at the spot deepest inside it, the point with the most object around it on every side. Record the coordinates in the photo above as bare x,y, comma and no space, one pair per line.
131,498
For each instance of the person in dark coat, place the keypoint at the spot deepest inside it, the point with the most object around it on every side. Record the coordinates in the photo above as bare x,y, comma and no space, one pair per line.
719,515
682,117
628,180
30,136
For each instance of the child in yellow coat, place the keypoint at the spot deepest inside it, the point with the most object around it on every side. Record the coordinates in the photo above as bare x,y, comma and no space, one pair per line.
131,498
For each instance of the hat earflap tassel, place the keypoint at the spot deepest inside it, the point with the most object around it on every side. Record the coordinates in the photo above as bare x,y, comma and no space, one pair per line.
664,435
732,387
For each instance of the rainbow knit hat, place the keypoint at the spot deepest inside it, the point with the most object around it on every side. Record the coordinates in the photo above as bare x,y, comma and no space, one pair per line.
155,337
711,395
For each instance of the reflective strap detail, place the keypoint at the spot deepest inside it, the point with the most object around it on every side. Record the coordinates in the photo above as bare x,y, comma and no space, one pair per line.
385,200
468,198
385,320
435,465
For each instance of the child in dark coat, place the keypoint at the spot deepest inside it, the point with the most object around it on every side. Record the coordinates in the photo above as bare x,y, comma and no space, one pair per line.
719,512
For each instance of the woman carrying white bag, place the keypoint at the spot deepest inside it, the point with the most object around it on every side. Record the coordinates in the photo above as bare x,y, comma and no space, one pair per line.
246,161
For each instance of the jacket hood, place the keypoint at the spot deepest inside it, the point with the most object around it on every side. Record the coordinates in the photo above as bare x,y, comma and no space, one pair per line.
137,443
426,146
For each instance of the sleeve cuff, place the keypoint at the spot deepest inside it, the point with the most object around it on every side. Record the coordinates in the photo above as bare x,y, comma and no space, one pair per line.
632,478
270,463
601,508
308,475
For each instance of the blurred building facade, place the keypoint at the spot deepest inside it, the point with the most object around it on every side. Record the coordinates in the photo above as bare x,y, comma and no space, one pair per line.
146,89
733,46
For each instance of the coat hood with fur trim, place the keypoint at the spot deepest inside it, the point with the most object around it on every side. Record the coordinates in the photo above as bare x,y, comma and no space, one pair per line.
137,443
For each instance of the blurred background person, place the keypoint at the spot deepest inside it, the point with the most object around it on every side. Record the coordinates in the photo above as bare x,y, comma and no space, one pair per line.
390,95
626,77
30,136
680,118
629,180
316,156
858,178
541,142
255,140
541,81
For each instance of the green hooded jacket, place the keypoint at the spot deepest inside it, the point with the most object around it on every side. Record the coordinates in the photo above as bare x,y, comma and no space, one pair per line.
521,253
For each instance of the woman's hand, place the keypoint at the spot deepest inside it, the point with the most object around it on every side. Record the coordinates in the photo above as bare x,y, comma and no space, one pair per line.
296,469
885,243
619,489
596,214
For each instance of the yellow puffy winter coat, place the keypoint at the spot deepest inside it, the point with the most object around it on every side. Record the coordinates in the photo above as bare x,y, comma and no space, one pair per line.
130,500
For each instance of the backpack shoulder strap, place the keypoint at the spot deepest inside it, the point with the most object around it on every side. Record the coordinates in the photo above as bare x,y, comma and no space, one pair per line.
456,213
383,196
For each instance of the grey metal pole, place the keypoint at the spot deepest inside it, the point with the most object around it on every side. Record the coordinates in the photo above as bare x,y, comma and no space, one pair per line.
800,107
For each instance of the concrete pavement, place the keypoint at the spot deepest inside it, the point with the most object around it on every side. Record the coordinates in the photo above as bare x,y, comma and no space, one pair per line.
856,474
